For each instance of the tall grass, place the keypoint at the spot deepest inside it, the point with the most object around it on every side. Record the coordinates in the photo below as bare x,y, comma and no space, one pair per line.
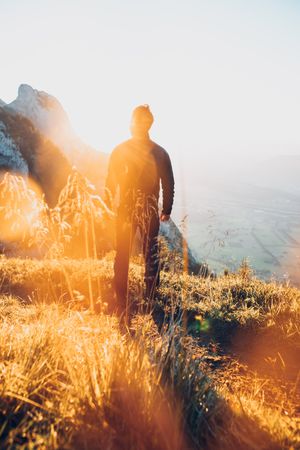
75,226
70,379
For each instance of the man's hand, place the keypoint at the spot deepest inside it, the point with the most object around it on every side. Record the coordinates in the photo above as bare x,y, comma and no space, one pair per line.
164,217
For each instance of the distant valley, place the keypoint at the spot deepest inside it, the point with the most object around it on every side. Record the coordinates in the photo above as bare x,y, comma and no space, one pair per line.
227,222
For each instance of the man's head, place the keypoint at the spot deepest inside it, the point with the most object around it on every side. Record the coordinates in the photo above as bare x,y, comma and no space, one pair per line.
141,121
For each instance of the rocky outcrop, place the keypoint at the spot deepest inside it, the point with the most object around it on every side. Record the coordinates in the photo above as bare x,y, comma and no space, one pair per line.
46,114
11,158
51,120
175,242
25,151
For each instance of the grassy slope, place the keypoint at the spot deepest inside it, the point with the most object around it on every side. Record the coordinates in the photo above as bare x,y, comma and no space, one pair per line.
227,378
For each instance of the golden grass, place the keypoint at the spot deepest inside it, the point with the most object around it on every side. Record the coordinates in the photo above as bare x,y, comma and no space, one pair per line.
67,229
70,379
222,374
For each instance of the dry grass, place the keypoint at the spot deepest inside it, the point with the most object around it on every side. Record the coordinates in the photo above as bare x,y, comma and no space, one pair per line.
223,373
31,227
69,379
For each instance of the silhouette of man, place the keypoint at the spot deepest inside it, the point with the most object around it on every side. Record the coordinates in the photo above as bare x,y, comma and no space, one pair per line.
137,167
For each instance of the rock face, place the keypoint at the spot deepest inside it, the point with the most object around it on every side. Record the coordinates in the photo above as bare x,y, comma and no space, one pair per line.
11,158
48,116
25,151
173,237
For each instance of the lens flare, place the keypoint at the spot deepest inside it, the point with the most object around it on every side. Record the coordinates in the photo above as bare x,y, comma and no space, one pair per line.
20,207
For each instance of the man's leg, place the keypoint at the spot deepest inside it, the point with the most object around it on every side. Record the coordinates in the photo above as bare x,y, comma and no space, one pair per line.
151,254
121,265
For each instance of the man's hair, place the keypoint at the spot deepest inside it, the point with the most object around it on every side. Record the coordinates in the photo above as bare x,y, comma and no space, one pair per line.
142,116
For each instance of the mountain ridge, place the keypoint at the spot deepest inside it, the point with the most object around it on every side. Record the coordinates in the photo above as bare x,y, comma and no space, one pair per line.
49,117
25,151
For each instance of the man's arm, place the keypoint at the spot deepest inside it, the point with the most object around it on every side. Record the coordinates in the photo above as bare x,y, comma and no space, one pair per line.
167,182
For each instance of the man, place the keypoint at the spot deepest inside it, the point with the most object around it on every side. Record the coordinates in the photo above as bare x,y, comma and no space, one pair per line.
137,167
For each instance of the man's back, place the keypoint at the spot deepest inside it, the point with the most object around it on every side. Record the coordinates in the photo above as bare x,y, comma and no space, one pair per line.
138,165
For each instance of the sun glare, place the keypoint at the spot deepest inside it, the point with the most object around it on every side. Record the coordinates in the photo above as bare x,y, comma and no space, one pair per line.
21,203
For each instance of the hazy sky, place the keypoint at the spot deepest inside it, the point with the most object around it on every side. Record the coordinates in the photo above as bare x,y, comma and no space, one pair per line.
221,76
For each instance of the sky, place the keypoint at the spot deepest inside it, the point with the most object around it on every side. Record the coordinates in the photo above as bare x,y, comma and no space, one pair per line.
222,77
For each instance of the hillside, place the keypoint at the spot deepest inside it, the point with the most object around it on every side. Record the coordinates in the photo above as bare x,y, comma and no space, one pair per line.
48,116
221,374
25,151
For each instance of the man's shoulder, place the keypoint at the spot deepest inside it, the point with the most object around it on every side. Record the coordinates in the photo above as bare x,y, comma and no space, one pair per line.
123,146
159,150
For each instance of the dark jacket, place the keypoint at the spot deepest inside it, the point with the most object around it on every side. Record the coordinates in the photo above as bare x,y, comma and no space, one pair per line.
140,165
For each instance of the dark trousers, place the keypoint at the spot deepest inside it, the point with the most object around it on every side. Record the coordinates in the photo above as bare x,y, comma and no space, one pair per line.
126,227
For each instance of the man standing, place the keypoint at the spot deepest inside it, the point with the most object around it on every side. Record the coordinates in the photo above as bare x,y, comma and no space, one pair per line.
137,167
